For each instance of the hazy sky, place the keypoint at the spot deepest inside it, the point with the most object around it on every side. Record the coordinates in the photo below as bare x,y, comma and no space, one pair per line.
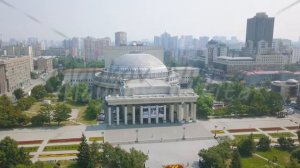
142,19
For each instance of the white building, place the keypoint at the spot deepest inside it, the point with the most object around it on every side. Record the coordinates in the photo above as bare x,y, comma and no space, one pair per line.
139,88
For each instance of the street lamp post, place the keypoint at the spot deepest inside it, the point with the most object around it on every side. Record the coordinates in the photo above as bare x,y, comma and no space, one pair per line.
102,135
137,136
216,130
183,135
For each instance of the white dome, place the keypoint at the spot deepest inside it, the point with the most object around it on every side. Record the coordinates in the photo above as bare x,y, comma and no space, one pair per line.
137,62
292,81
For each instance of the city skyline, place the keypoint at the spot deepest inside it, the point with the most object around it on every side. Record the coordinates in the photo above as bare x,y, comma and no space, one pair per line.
142,20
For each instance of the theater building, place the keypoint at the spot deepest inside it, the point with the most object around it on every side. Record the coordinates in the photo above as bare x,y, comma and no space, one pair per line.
139,89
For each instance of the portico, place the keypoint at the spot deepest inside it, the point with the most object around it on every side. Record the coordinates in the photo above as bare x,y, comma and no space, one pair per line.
151,109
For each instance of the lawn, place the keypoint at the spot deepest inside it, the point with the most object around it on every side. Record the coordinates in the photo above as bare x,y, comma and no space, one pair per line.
283,157
34,109
96,139
253,162
81,115
255,136
31,148
61,147
217,131
281,134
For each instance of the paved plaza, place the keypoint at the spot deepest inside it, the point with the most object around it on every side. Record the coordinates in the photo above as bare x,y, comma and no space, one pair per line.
163,143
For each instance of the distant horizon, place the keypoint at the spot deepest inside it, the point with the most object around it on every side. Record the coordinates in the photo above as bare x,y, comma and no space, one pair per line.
47,20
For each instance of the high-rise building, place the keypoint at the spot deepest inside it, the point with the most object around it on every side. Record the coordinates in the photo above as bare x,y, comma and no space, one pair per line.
14,73
259,32
120,38
203,41
93,48
215,49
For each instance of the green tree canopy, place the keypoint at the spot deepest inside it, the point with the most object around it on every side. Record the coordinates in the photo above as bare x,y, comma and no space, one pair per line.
18,93
52,84
236,160
11,155
264,143
61,113
93,109
39,92
25,103
215,156
286,143
84,156
246,146
10,115
80,93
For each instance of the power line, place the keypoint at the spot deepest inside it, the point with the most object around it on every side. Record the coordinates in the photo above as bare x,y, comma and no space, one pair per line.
288,7
34,19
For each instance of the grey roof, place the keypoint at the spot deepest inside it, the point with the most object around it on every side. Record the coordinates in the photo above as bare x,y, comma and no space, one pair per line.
137,60
146,83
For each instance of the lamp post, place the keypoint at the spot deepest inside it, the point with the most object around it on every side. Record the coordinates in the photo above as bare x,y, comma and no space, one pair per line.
102,135
137,136
216,130
183,133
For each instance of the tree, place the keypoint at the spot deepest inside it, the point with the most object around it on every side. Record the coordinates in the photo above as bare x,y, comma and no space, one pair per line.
61,113
216,156
264,143
137,158
80,93
296,155
11,155
52,84
10,115
204,102
38,120
25,103
46,112
298,135
19,93
93,109
34,75
246,146
236,160
95,155
39,92
286,143
119,158
83,157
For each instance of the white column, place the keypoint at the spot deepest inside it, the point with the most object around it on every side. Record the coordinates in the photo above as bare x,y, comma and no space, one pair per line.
172,113
194,112
165,113
133,115
141,114
187,112
149,115
118,115
180,115
156,119
109,115
125,115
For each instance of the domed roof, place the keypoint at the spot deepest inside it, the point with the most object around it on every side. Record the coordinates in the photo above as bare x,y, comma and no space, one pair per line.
292,81
137,62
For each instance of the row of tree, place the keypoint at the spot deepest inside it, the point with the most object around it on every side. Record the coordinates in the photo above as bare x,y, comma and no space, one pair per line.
49,113
79,93
105,155
228,154
243,100
70,62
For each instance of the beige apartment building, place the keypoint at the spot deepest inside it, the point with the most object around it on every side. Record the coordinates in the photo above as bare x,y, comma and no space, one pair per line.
44,64
14,73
